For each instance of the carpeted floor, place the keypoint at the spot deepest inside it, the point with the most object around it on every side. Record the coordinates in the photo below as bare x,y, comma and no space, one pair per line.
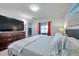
4,53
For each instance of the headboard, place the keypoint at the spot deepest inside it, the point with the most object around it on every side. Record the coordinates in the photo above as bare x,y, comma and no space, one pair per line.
73,33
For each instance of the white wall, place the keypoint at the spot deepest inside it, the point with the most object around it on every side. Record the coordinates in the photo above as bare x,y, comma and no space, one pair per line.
26,28
73,22
74,27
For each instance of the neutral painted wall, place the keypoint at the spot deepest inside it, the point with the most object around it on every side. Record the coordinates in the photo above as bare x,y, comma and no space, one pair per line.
73,22
74,27
26,28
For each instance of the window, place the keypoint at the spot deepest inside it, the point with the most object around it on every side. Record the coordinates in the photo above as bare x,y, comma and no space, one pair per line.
44,28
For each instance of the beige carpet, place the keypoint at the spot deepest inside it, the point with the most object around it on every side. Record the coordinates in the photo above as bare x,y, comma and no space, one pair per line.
4,53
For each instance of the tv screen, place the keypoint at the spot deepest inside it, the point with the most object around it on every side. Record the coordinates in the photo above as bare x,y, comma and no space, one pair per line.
10,24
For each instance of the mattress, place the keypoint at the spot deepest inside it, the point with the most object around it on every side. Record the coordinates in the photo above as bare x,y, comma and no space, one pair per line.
36,45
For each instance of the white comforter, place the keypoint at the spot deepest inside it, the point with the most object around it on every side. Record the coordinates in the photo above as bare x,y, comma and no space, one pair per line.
38,48
72,46
33,46
36,45
17,46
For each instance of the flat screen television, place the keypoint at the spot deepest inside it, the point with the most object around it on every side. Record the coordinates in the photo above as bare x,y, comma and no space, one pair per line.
10,24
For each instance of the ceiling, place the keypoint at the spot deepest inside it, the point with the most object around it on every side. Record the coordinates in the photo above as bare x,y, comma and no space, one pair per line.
21,11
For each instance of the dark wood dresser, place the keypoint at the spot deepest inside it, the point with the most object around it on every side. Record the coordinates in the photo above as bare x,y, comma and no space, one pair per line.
6,38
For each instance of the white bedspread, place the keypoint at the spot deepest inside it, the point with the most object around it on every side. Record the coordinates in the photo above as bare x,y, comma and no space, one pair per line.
17,46
72,46
40,47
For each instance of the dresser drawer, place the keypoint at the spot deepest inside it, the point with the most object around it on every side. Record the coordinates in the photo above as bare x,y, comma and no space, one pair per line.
10,37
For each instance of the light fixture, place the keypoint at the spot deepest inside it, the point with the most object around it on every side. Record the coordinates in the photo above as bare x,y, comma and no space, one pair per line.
61,29
34,8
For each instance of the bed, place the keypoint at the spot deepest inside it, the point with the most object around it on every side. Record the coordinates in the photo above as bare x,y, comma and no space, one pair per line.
34,46
38,45
72,46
